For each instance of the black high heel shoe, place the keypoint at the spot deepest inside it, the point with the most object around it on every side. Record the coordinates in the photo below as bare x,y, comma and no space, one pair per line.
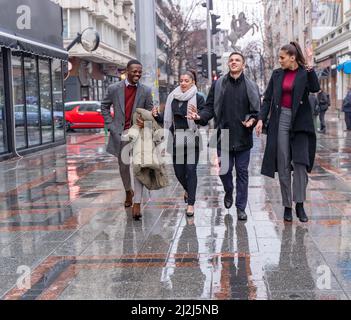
288,215
300,213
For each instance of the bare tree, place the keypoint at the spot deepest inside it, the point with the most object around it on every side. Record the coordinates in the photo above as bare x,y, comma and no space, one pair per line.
255,62
181,23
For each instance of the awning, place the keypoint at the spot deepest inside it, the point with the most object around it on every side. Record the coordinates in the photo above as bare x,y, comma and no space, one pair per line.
18,43
346,67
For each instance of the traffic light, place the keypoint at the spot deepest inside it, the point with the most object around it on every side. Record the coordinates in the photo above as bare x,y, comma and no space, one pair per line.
215,23
204,4
203,65
215,62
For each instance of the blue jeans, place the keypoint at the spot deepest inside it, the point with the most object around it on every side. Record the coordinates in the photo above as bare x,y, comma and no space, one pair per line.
241,160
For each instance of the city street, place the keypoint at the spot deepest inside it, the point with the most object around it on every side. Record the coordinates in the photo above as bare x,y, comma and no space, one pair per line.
65,234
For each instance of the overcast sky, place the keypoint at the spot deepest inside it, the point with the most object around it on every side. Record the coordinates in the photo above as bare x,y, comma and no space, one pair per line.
253,10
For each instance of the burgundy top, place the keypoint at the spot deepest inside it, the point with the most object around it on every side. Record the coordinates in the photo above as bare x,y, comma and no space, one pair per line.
288,84
130,93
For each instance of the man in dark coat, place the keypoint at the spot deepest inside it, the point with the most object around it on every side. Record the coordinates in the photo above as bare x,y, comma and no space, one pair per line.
314,106
346,108
324,104
234,103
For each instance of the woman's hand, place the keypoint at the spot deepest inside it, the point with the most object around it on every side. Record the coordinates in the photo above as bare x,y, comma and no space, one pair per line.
309,59
259,128
249,123
192,113
155,112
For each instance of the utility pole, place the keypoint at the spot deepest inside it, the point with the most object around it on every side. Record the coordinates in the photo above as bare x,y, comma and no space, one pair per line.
208,8
146,44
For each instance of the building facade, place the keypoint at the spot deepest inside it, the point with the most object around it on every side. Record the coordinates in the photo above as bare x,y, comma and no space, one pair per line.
164,38
333,49
31,77
285,21
93,72
320,27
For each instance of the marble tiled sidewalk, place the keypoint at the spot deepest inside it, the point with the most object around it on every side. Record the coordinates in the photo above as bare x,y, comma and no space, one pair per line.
62,219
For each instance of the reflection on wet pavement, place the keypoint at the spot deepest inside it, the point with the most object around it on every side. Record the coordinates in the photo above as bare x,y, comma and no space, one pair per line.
62,217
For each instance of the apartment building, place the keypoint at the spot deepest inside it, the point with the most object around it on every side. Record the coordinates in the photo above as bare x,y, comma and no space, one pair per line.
93,72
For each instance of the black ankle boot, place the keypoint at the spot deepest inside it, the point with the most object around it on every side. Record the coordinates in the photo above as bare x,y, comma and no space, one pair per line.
288,215
300,212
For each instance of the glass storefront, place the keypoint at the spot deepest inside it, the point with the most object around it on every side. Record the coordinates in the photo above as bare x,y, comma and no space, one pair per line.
3,135
57,89
39,117
31,80
32,100
18,101
46,101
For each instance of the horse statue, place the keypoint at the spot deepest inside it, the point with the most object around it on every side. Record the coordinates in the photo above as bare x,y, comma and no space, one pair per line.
239,28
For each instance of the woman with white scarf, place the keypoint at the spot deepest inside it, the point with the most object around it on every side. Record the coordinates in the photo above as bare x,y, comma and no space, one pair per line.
174,119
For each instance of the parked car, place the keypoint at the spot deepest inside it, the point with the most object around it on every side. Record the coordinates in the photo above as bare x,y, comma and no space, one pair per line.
84,115
32,115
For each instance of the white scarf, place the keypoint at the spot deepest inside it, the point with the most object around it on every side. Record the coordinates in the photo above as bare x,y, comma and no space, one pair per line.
189,96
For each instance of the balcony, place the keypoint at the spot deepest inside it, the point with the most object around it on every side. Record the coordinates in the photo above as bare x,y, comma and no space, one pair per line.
122,24
102,11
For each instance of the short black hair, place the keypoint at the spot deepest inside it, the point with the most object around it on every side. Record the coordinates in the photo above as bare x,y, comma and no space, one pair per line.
237,53
134,61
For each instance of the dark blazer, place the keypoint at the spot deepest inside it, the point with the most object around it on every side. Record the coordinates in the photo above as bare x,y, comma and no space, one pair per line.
303,136
116,96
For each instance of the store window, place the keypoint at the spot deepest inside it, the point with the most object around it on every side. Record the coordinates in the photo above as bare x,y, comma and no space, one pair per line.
58,107
32,101
3,135
18,101
46,102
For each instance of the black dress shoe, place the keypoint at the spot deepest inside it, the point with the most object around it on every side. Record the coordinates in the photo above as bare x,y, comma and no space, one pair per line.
288,215
228,200
300,212
242,216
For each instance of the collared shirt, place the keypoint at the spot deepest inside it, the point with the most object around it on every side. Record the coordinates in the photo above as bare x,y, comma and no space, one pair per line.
128,84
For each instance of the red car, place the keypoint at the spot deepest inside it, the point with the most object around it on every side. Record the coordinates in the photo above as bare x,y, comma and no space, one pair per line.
84,115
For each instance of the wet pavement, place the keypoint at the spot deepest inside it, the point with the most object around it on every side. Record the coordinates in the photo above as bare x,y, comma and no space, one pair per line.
65,234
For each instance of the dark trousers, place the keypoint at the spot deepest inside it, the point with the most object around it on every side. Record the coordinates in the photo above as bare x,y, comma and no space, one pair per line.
348,120
322,119
187,175
241,160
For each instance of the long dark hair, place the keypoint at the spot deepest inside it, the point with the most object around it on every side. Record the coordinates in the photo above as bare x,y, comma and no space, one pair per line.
294,49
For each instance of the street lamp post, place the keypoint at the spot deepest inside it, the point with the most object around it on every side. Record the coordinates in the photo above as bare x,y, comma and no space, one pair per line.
146,43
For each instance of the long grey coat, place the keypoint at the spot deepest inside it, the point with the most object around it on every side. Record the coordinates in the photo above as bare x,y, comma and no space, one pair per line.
116,96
